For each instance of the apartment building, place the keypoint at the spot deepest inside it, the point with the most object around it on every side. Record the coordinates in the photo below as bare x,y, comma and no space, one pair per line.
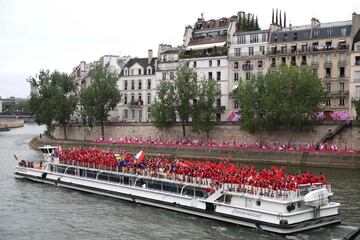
167,64
247,57
205,48
137,84
323,47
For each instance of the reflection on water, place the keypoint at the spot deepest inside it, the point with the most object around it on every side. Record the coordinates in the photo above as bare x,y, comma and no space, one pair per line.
38,211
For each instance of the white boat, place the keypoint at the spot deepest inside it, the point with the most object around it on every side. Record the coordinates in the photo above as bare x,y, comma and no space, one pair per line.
283,212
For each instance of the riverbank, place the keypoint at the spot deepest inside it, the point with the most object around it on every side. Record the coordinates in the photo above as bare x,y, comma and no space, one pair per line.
302,159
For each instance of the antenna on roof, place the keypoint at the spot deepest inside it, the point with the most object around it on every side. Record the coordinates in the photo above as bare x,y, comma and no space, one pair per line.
202,15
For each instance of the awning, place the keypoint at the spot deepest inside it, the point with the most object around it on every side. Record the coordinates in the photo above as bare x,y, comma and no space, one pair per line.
205,46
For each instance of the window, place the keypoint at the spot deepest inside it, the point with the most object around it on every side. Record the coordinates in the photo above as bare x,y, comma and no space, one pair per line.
210,76
342,87
283,60
295,36
218,102
236,65
241,39
132,84
342,102
273,62
327,58
125,84
342,57
132,98
285,37
236,76
125,99
357,76
275,38
328,87
328,102
164,76
329,32
172,75
132,72
254,38
149,84
149,71
264,37
140,113
210,63
194,64
149,98
251,51
218,62
303,60
236,104
139,84
342,72
315,58
304,48
260,64
293,60
316,35
218,88
140,98
343,32
237,52
126,113
315,71
327,72
262,50
283,50
218,76
133,113
125,72
247,75
357,92
139,71
357,60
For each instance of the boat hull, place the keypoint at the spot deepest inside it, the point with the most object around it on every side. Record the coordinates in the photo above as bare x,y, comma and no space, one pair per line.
170,202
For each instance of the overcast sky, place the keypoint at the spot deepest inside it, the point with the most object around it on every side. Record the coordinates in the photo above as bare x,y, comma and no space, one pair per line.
48,34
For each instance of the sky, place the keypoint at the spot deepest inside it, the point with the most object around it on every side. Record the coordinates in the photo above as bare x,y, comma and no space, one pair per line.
58,34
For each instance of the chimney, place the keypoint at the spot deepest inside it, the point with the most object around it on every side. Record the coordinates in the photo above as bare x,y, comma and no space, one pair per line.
150,56
315,23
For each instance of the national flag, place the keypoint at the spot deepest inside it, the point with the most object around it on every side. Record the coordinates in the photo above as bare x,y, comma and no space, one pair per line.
139,156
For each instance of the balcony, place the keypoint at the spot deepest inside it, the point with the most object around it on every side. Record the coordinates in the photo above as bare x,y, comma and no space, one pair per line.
221,108
247,55
339,93
136,103
327,63
214,52
314,64
247,66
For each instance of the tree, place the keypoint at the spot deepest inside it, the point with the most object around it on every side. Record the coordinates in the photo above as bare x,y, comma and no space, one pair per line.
357,107
102,96
285,98
203,118
185,86
162,111
54,100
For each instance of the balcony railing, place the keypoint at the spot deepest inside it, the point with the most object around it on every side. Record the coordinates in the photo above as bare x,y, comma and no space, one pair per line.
136,103
328,63
339,93
247,66
247,54
201,54
313,49
341,62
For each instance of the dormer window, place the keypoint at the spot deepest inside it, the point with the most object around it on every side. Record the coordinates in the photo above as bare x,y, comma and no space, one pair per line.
139,71
285,37
316,34
149,71
275,38
295,36
329,32
125,72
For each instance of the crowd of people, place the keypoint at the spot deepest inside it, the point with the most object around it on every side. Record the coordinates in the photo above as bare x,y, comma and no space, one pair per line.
210,143
213,174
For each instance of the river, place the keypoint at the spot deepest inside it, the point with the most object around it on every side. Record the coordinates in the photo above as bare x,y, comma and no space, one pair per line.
31,210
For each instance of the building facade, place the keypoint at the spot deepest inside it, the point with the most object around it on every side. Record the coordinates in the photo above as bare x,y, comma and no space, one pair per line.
167,63
323,47
137,84
247,56
205,48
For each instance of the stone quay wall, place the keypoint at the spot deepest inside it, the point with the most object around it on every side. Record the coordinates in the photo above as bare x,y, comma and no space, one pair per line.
349,137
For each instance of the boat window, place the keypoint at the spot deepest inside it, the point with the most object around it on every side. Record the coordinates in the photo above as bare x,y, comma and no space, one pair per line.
258,203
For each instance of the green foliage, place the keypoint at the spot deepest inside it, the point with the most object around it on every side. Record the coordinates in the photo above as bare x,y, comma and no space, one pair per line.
285,98
162,111
185,86
357,107
203,118
247,24
102,96
54,100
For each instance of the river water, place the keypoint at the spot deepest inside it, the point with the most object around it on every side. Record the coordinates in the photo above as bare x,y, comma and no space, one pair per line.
31,210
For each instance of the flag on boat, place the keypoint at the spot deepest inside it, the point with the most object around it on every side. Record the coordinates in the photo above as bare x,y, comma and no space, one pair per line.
139,156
